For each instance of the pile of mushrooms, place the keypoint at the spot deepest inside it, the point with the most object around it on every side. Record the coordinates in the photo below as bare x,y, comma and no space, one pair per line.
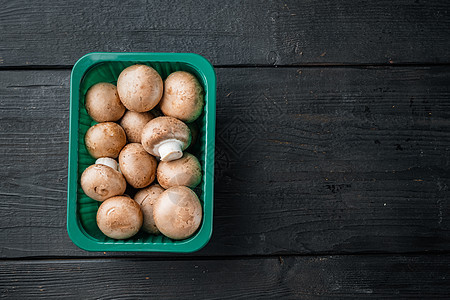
144,127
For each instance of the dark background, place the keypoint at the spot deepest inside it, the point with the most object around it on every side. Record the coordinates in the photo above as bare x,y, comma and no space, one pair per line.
332,154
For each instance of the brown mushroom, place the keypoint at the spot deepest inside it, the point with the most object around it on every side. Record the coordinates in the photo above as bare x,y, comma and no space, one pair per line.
119,217
105,140
177,212
140,88
146,199
101,182
166,137
184,171
103,104
183,97
132,123
138,167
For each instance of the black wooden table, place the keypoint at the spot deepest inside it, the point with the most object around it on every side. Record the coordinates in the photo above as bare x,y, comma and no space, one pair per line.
332,156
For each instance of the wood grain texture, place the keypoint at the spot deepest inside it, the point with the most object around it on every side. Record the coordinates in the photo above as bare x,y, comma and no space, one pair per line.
228,32
394,277
312,160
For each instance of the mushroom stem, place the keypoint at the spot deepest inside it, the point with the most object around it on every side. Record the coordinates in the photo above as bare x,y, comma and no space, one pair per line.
108,161
170,150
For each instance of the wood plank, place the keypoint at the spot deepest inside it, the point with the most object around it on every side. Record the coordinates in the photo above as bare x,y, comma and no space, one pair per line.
228,32
396,277
312,160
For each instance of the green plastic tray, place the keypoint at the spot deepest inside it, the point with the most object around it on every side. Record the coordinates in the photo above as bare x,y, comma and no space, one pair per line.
81,210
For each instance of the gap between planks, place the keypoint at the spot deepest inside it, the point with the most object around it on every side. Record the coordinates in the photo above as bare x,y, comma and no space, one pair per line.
307,65
218,257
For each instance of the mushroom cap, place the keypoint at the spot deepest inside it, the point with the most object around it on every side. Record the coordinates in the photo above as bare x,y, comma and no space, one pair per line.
105,140
133,122
119,217
146,199
140,88
101,182
137,166
163,129
102,102
177,212
183,97
185,171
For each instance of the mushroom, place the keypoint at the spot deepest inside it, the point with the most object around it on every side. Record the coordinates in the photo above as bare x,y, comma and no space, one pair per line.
103,104
101,182
133,122
146,199
177,212
137,166
105,140
108,161
184,171
183,97
166,137
140,88
119,217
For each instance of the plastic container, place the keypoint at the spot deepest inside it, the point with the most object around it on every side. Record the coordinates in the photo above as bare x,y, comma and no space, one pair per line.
81,210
